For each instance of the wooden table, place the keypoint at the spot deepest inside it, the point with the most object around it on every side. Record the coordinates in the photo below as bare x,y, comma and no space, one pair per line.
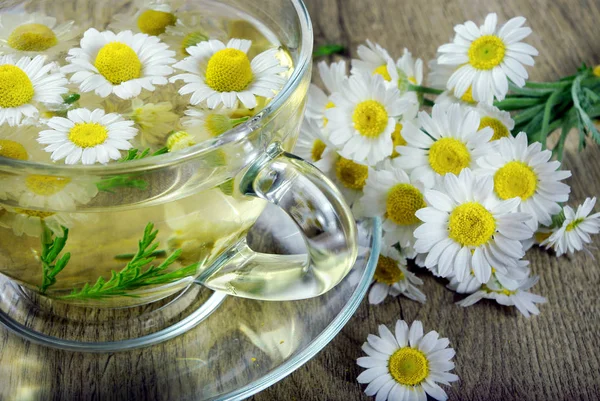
500,355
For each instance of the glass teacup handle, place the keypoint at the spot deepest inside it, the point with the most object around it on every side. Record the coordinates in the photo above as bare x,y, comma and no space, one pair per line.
324,220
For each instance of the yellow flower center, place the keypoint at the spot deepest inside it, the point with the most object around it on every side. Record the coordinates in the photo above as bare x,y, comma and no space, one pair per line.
403,200
515,179
468,96
397,140
541,236
486,52
88,135
500,130
387,271
16,88
12,150
449,155
192,39
46,185
596,71
329,105
370,118
216,124
352,175
412,80
118,63
572,225
34,213
408,366
471,224
317,150
153,22
32,38
382,70
229,70
179,140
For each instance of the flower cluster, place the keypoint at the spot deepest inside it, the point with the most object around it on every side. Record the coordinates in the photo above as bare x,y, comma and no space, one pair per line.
457,189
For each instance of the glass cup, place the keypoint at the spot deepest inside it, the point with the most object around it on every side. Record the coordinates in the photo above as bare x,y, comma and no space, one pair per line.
202,201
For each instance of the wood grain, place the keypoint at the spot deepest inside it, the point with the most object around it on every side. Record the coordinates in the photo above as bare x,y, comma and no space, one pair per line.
500,354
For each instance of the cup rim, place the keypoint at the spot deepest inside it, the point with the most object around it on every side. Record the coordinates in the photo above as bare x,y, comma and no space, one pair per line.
236,134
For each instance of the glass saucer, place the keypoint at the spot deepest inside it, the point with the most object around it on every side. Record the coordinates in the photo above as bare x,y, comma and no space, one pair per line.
232,349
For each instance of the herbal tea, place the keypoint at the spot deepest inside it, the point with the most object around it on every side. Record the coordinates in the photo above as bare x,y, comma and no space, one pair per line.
159,78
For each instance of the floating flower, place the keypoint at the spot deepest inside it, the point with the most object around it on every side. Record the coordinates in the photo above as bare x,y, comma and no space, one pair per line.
486,58
448,142
25,83
407,365
35,34
523,300
391,195
499,121
373,59
89,136
333,77
20,143
466,228
575,231
121,63
223,74
364,117
155,120
179,140
32,222
152,18
525,172
206,124
392,278
311,141
184,34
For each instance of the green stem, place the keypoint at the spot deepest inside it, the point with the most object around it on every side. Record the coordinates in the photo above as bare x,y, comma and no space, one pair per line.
424,89
517,103
546,119
428,103
528,114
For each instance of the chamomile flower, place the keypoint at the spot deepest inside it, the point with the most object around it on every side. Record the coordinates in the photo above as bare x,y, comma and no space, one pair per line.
35,34
438,79
51,192
31,222
89,136
487,58
373,59
499,121
152,18
223,74
575,231
449,141
24,84
333,77
406,365
526,172
205,124
405,72
349,177
122,63
510,279
521,298
155,121
364,117
391,195
188,33
467,286
392,278
311,141
466,228
20,142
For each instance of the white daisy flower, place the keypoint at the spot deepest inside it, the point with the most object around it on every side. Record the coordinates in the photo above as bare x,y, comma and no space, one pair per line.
89,136
510,279
438,79
206,124
364,117
449,141
466,228
121,63
523,300
407,365
575,230
51,192
525,172
349,177
32,222
405,72
25,83
152,18
391,195
373,59
184,34
223,74
499,121
487,57
35,34
467,286
19,142
311,142
393,278
333,77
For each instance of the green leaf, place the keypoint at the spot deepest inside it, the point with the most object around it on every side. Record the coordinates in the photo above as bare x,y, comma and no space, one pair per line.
327,50
550,103
510,104
71,98
51,248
